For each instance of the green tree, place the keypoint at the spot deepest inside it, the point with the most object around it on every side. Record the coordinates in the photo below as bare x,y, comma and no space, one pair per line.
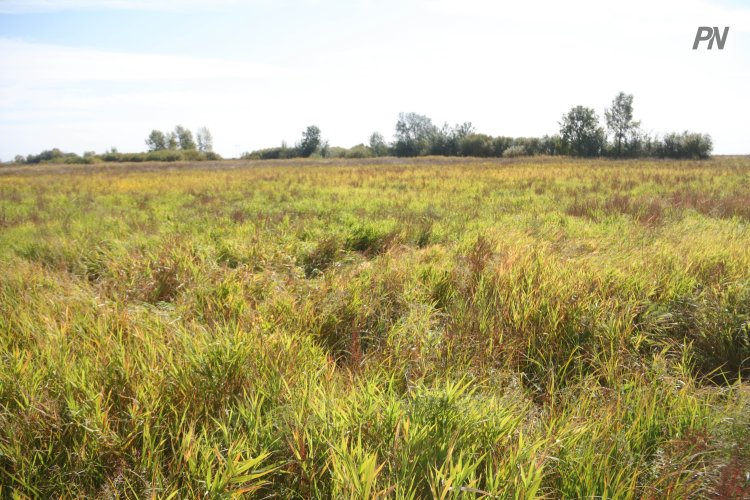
378,145
619,117
359,151
204,139
446,141
477,145
184,138
414,134
685,145
580,132
501,143
310,141
550,145
156,141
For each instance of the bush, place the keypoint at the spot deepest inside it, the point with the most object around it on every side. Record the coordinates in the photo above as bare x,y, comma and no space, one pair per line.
501,143
550,145
78,160
46,156
514,152
477,145
688,145
530,145
193,155
337,152
164,155
697,145
279,153
360,151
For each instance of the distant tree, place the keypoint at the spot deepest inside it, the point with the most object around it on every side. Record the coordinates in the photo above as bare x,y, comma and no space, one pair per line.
156,141
310,141
184,138
528,146
515,151
647,145
49,155
172,141
685,145
271,153
446,141
697,146
463,129
324,149
638,144
414,134
620,123
501,143
477,145
441,141
580,132
378,145
19,159
204,139
550,145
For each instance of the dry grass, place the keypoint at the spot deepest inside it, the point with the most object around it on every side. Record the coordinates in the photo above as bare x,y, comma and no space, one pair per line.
376,328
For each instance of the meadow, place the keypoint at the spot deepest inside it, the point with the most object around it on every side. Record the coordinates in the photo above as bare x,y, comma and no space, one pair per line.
427,328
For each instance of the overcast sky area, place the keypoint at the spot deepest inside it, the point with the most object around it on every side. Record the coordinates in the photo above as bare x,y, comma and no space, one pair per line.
85,75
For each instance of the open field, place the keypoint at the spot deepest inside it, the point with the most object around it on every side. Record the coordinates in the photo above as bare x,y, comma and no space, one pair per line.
448,328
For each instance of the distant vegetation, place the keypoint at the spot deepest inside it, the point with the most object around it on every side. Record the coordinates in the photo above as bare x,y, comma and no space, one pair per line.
180,139
581,134
57,156
178,145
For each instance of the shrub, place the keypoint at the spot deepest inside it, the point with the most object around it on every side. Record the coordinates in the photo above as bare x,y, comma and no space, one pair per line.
688,145
477,145
530,145
514,152
78,160
164,155
360,151
501,143
278,153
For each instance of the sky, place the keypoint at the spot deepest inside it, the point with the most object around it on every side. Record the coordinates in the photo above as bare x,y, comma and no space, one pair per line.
86,75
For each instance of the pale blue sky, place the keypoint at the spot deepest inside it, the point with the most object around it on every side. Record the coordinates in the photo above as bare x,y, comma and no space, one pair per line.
87,75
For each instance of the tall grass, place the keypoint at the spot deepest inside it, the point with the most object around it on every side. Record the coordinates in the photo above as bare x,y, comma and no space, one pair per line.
447,329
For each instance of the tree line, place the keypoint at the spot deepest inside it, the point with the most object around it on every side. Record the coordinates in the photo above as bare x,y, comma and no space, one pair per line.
581,133
180,139
176,145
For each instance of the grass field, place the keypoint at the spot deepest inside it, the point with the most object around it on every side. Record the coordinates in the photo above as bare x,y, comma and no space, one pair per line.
409,329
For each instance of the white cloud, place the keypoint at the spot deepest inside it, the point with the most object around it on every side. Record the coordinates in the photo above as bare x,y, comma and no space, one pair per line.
42,64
